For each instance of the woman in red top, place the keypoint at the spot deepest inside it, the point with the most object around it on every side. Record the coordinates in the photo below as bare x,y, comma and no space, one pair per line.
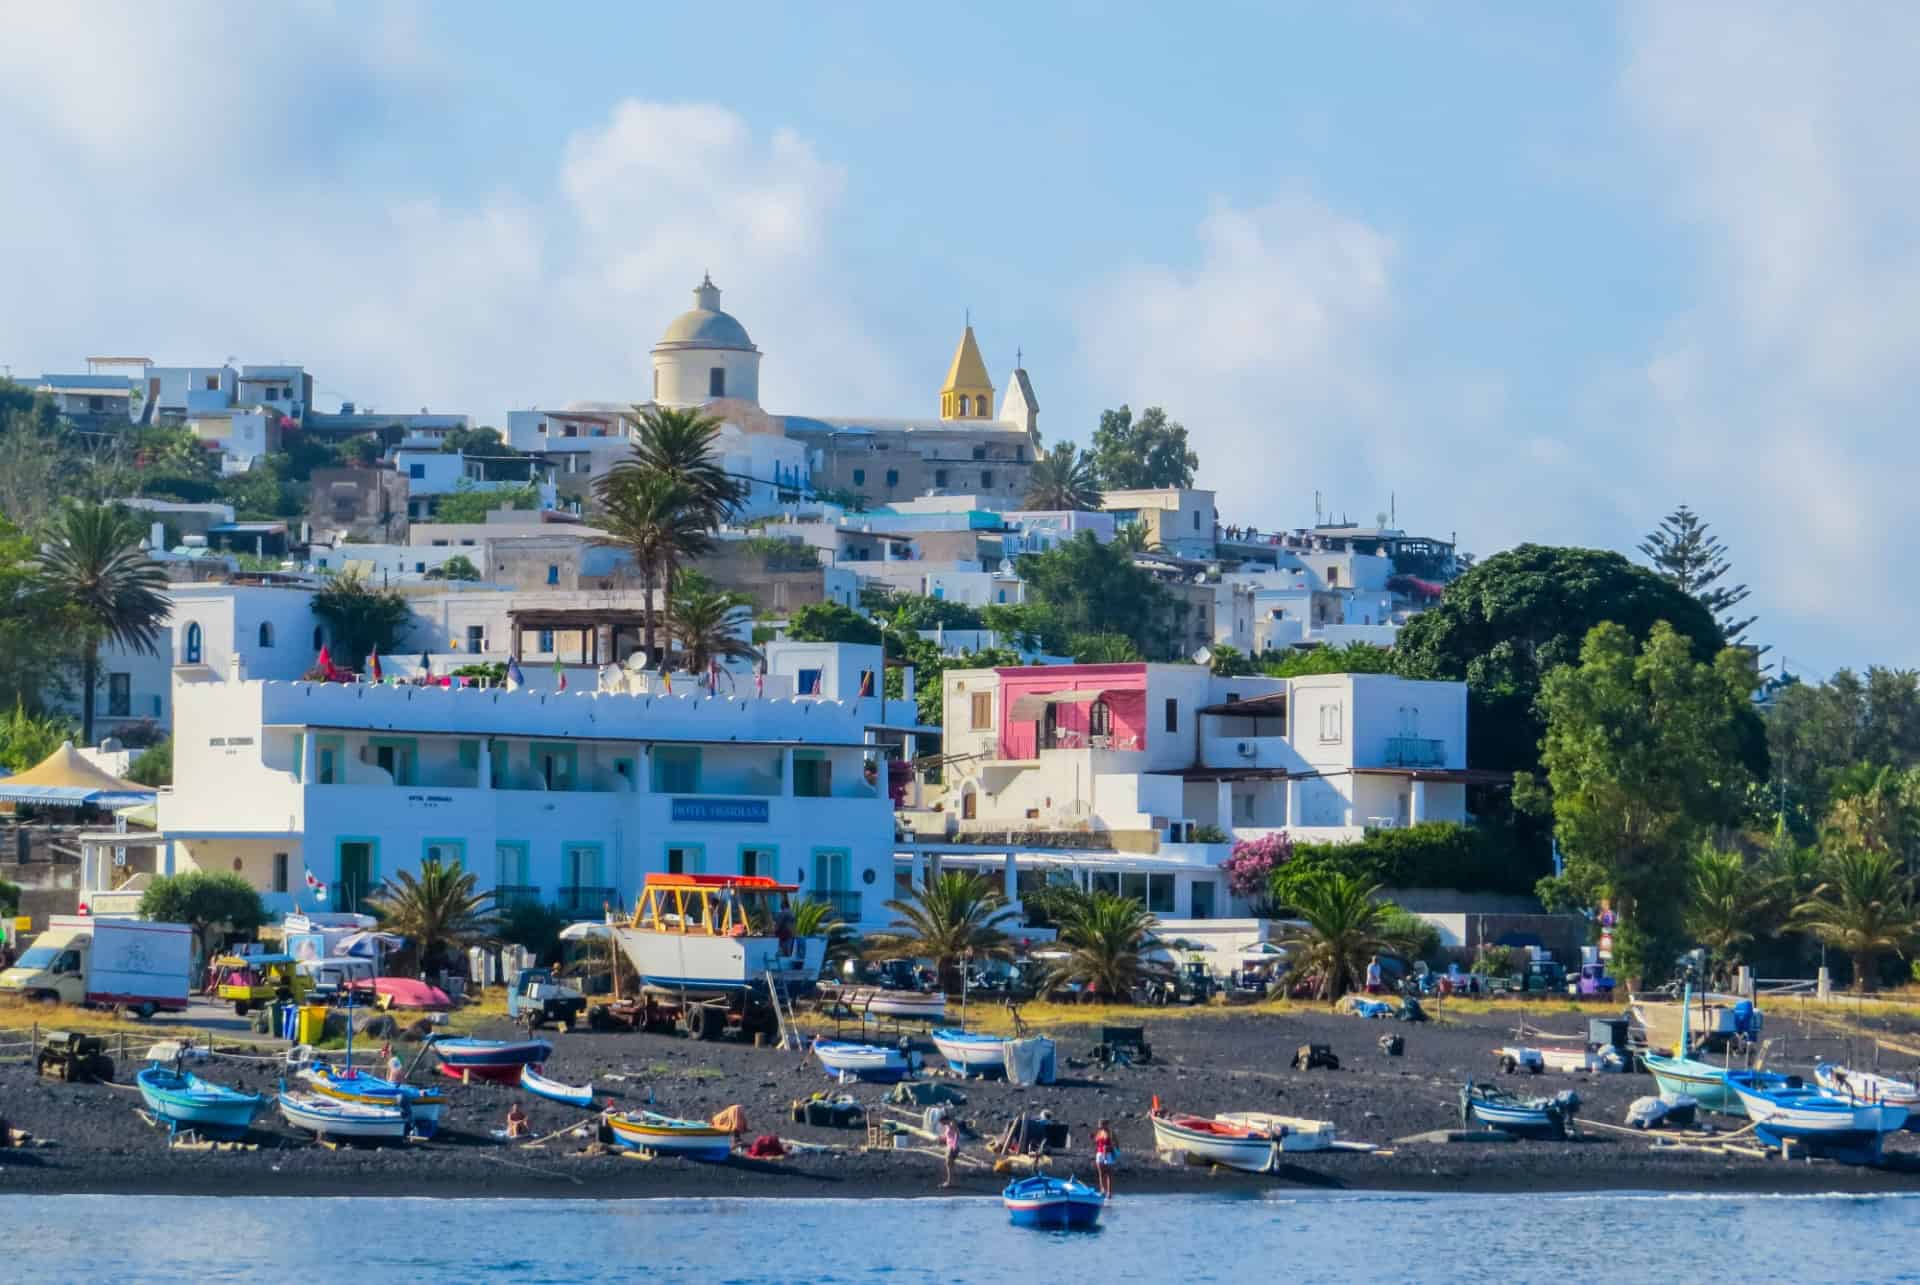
1104,1155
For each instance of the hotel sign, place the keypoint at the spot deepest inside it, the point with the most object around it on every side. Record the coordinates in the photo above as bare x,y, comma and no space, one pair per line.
737,811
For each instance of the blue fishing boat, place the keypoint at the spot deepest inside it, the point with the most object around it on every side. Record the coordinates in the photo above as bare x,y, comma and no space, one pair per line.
1784,1108
879,1063
345,1084
970,1052
1541,1117
1702,1081
1059,1203
500,1061
185,1101
573,1095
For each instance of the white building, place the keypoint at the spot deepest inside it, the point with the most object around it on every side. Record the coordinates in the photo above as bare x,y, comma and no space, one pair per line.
1181,521
566,798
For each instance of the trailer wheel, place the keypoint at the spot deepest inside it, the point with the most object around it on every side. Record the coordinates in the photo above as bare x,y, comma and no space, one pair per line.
706,1022
146,1010
240,1008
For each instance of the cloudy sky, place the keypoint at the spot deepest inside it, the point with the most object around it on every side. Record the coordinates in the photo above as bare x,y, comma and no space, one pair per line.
1521,277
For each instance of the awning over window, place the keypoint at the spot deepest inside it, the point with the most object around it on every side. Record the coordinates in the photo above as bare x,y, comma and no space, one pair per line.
1034,705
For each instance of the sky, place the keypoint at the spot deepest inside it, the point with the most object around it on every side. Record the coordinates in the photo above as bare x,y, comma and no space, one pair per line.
1511,273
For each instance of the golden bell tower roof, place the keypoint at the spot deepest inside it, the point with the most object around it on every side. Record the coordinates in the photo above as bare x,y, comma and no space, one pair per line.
968,393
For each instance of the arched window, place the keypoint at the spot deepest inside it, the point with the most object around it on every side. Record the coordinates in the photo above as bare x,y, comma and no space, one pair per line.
266,633
191,654
1100,719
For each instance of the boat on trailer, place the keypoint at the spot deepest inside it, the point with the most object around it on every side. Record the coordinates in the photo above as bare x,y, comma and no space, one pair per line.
1237,1146
877,1062
707,938
1064,1204
183,1100
1786,1109
665,1135
499,1061
540,1086
971,1052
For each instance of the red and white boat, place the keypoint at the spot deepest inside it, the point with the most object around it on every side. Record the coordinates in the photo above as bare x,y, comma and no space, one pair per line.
1248,1147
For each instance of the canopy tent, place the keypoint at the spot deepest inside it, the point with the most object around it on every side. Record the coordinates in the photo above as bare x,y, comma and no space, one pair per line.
585,931
65,780
368,944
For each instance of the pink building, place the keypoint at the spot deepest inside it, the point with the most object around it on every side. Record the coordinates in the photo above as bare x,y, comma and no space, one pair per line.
1072,707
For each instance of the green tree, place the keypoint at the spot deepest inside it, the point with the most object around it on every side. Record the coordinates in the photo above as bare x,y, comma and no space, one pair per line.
1878,810
659,522
705,623
1343,928
832,622
9,899
468,503
1864,907
1818,733
1102,649
816,918
1063,479
1351,658
1091,588
1726,905
1231,662
1685,551
361,618
458,567
1107,938
204,901
946,920
33,668
92,558
1511,620
1151,452
153,765
534,926
34,467
441,911
683,445
1643,750
27,739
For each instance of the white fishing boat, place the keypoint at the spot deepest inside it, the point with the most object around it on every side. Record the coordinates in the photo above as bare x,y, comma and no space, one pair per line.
881,1001
1237,1146
1295,1133
701,938
333,1118
970,1052
573,1095
1784,1109
876,1062
1869,1086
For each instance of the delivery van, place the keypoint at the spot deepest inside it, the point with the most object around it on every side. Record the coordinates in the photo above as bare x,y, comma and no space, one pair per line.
83,960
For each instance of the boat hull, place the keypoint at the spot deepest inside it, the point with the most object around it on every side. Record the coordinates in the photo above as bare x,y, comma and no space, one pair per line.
1255,1152
1702,1081
1051,1204
425,1105
872,1062
331,1118
698,967
1825,1125
553,1091
691,1138
1866,1086
970,1053
221,1113
498,1062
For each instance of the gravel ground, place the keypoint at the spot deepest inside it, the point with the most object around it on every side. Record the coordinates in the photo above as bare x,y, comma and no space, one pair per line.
1202,1063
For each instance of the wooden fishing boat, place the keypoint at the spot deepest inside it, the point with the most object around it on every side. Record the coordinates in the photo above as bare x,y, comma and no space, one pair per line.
1055,1203
1678,1024
1510,1113
1295,1133
876,1062
553,1091
499,1061
1702,1081
1785,1109
1237,1146
424,1104
646,1131
1869,1086
919,1006
971,1052
185,1101
334,1119
702,938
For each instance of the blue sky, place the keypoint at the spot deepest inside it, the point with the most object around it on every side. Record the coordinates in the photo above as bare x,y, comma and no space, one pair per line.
1532,274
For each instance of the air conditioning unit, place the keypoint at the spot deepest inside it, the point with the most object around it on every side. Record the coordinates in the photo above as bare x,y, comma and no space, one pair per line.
1246,749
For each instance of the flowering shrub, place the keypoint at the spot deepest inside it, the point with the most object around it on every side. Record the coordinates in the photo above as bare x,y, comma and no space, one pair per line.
1251,868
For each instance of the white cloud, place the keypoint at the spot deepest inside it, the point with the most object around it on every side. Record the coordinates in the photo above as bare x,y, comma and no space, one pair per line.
202,191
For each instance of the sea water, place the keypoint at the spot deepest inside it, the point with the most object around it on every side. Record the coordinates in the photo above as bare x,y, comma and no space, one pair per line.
1504,1238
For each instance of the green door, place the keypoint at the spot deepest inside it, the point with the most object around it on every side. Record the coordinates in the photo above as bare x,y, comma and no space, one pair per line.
355,880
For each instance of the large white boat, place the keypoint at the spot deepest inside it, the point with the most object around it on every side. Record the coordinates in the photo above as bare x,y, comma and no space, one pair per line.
702,938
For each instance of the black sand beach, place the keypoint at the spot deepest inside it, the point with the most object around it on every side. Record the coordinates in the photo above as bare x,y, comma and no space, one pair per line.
1204,1063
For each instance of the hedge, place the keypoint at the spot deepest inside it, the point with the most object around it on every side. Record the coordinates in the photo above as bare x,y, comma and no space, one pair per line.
1433,854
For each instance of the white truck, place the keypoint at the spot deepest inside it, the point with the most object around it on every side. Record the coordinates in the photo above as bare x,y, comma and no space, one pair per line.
80,959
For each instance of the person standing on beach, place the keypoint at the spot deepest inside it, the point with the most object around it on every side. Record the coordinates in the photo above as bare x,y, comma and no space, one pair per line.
950,1139
1104,1156
1373,976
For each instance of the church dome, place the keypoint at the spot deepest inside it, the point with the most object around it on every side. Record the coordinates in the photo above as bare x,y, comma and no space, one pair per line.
705,325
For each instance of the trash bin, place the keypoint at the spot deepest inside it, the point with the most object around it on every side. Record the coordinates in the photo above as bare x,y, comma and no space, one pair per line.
285,1020
312,1026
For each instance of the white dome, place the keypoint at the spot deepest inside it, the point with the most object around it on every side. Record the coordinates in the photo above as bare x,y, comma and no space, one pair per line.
705,325
705,356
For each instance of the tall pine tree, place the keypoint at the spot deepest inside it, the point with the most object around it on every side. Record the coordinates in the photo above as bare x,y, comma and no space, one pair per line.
1685,551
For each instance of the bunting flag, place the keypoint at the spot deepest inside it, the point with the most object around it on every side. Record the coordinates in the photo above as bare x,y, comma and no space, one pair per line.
324,661
713,675
515,679
760,680
666,678
866,683
316,887
559,676
373,664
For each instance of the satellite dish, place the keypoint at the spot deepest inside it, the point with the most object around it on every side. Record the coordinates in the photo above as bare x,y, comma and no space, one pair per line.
1204,656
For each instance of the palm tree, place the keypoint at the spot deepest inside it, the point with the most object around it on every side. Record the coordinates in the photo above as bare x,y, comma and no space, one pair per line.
705,622
1130,537
1724,902
1344,928
658,521
947,919
1063,479
1106,936
815,918
1865,908
680,444
93,560
1878,814
440,912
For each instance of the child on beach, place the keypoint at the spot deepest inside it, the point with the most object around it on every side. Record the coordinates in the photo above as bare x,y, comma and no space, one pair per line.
950,1138
1103,1157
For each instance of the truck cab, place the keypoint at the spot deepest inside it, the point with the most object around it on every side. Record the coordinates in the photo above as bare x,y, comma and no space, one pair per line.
54,967
537,999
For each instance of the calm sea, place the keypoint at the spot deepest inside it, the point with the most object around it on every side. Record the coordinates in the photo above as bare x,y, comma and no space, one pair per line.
1145,1238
